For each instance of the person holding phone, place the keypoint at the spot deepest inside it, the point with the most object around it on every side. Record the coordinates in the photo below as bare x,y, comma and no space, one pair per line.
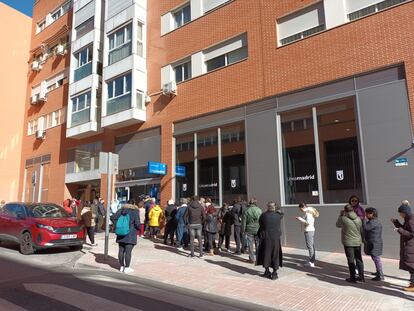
406,231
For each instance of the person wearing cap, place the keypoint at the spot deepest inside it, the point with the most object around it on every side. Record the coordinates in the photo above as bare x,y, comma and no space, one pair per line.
171,225
406,231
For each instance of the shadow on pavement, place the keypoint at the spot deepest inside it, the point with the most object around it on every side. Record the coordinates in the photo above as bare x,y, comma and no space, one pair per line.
46,251
235,268
171,249
336,274
110,261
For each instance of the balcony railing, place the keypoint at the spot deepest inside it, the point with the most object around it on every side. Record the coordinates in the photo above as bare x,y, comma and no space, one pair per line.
81,117
83,71
118,104
120,53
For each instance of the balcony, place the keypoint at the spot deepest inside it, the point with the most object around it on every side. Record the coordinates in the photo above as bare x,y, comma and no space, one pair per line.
118,104
81,124
83,163
120,53
83,72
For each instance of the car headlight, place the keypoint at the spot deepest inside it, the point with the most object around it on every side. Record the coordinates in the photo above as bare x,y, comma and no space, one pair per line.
50,228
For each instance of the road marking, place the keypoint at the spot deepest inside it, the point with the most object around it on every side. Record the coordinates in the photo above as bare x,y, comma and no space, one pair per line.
76,298
8,306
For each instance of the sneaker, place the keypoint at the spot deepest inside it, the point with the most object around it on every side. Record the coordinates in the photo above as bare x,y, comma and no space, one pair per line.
409,288
95,244
128,270
220,250
201,256
121,269
274,276
312,264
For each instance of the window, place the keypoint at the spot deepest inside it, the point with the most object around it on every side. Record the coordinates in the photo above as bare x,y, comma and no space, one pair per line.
56,15
357,12
41,26
182,16
182,72
84,28
61,11
226,53
83,158
301,24
120,45
83,63
81,107
327,170
55,82
119,94
209,5
140,42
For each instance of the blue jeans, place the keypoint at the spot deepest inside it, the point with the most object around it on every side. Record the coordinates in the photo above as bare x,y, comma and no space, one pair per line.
252,241
310,244
181,235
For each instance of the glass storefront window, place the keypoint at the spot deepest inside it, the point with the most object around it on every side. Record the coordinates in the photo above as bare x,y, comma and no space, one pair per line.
208,174
339,154
184,153
83,158
233,161
299,158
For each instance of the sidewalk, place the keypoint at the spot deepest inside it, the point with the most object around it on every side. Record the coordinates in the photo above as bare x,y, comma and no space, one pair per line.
298,288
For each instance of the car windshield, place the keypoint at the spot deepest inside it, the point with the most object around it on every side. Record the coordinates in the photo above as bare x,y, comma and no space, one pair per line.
46,211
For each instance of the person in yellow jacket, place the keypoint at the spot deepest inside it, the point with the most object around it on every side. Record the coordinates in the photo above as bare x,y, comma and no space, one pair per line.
155,216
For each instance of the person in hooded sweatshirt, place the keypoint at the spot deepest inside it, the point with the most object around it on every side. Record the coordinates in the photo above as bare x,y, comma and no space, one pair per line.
406,232
154,216
171,225
352,236
308,221
195,218
127,242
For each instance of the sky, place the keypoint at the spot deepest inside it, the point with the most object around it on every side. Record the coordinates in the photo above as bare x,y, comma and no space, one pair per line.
24,6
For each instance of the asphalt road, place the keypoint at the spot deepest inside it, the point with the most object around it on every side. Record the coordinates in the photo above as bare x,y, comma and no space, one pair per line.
48,282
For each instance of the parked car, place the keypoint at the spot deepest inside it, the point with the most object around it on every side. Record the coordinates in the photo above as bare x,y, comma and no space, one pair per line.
37,226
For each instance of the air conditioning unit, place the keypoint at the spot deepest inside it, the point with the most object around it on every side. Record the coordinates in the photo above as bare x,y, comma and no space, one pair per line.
40,134
34,99
60,49
36,66
43,92
169,88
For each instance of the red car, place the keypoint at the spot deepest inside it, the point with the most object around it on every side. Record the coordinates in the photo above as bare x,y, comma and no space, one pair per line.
39,225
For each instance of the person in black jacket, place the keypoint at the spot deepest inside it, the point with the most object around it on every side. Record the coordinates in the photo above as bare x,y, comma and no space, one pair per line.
373,240
126,243
269,253
195,218
239,207
225,221
211,229
171,226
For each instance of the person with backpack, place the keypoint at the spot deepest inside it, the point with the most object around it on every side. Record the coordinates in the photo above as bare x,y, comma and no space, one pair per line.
373,240
211,229
308,221
250,227
127,223
237,211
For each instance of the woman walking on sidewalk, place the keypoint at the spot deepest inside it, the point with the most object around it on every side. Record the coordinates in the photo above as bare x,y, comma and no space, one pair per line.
373,240
406,231
127,224
351,236
88,219
308,221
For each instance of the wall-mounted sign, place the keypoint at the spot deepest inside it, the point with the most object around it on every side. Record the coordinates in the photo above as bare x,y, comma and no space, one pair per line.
157,168
315,193
184,187
180,171
300,178
340,175
233,183
212,185
401,162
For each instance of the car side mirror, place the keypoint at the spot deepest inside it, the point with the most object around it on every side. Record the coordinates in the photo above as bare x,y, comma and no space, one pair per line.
20,216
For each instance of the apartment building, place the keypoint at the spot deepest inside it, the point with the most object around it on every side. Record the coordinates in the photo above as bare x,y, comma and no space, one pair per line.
286,101
12,96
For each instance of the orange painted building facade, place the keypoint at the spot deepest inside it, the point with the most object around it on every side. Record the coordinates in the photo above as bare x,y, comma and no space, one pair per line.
13,82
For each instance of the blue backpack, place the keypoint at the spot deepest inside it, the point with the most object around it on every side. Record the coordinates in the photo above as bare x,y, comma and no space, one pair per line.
122,225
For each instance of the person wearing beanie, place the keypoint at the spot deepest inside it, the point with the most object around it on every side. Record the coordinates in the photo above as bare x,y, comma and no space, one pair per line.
406,231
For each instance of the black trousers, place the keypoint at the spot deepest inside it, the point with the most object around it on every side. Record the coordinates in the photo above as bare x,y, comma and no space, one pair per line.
124,254
225,238
238,238
169,232
354,258
91,234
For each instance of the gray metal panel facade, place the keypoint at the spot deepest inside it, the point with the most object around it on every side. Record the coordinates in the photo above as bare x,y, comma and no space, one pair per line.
262,159
138,152
386,130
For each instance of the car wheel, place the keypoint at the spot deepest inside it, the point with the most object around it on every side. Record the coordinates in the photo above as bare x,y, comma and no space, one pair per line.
26,244
76,247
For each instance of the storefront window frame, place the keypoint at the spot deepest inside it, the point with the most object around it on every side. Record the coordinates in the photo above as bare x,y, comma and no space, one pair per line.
313,107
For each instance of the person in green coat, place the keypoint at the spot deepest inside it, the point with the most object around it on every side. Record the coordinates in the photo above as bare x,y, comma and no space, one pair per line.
250,226
352,237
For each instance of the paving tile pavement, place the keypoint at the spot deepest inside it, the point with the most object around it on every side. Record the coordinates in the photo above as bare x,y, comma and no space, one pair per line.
298,288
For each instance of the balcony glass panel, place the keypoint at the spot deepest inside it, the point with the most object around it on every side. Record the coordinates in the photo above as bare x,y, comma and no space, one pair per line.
83,72
81,117
120,53
118,104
